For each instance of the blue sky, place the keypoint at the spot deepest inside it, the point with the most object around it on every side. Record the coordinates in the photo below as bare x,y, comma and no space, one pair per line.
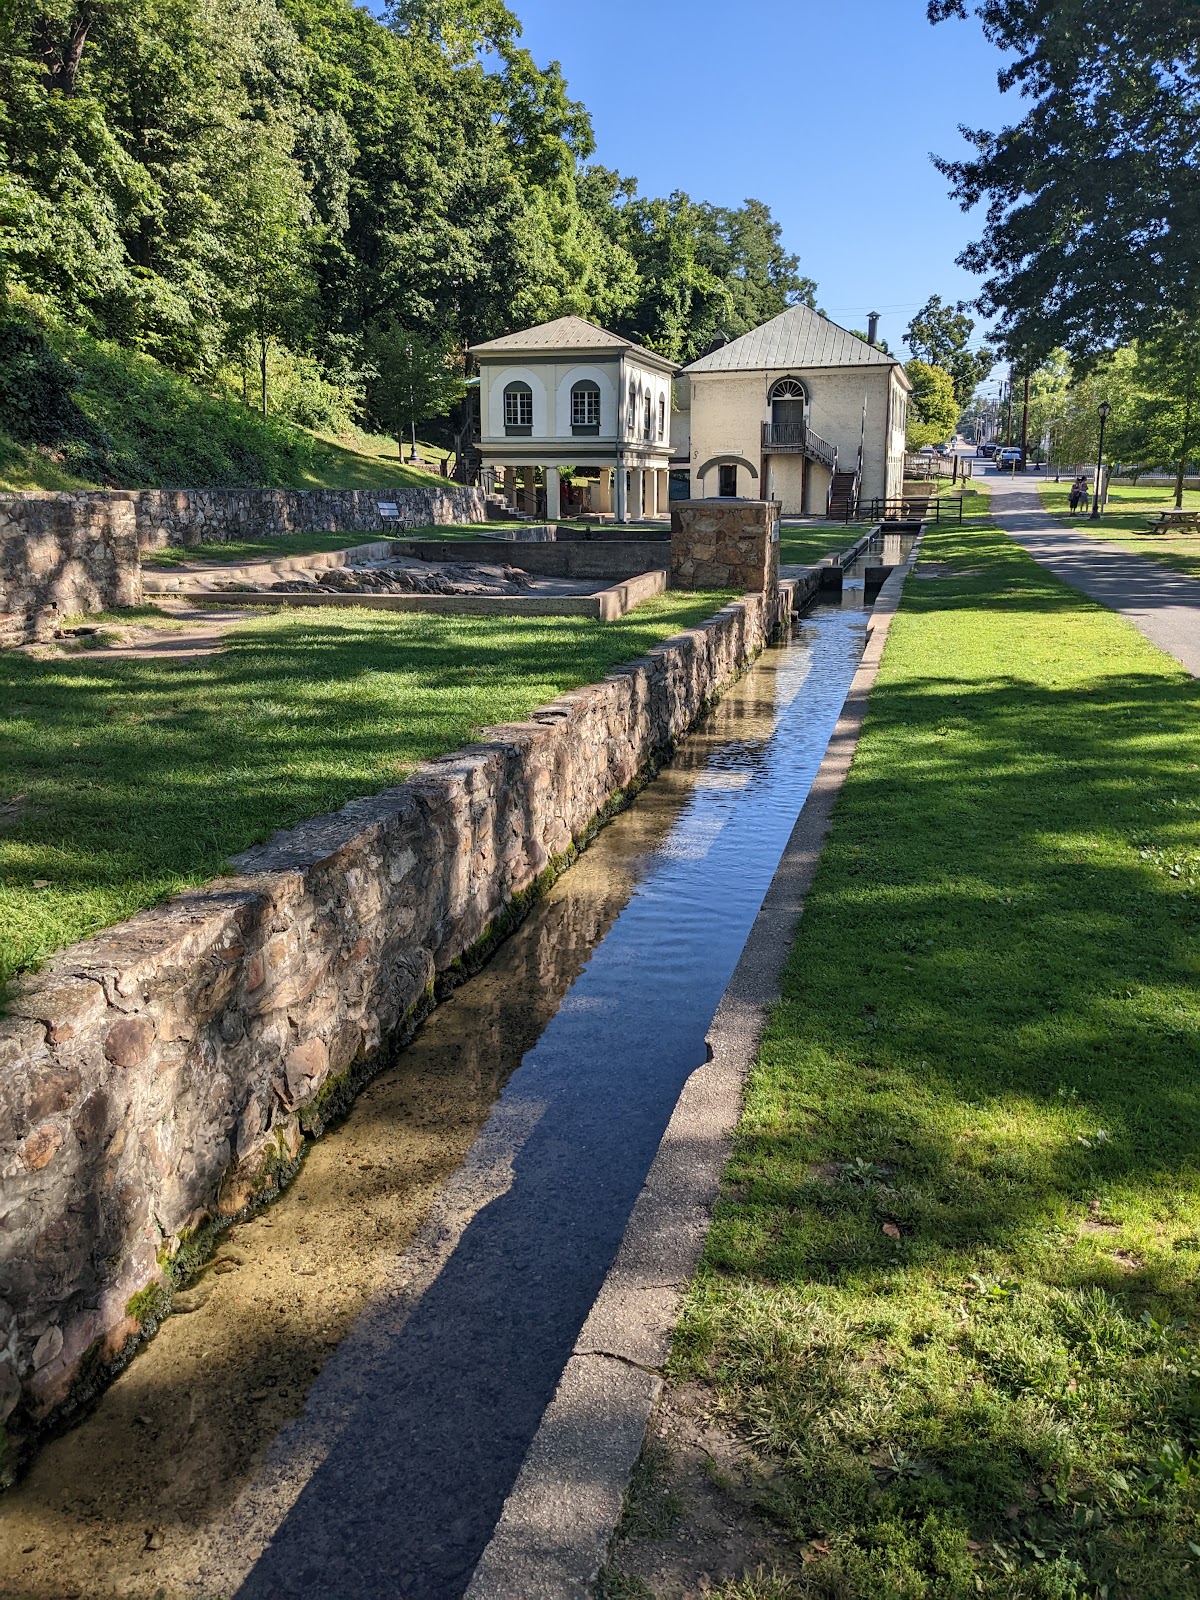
825,109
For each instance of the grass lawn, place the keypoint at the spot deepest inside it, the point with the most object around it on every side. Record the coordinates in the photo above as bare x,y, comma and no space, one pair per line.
808,545
235,551
950,1304
1125,521
306,544
125,780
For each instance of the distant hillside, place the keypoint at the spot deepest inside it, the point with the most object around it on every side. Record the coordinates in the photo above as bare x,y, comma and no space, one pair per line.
78,412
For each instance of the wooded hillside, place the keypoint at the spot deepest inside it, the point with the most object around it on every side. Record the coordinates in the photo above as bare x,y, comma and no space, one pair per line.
253,193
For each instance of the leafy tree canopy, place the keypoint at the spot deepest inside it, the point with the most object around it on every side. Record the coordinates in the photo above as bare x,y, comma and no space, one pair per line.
932,407
1093,197
940,335
243,187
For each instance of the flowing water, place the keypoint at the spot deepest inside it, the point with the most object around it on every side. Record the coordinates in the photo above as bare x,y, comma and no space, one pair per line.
369,1360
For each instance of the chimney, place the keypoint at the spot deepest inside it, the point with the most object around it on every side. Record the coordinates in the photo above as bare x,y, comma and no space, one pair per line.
873,327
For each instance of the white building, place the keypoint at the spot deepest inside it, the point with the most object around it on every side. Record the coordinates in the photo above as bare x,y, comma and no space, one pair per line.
568,393
798,410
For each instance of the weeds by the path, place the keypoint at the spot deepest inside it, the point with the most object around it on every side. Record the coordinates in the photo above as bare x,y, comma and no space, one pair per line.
951,1293
124,781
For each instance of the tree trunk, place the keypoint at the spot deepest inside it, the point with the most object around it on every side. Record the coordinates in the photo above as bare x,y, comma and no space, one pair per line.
262,369
1185,445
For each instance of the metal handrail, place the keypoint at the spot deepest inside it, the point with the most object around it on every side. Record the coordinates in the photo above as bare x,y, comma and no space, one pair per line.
798,436
903,508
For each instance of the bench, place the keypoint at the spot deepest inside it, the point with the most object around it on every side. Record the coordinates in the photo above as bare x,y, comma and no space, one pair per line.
1174,521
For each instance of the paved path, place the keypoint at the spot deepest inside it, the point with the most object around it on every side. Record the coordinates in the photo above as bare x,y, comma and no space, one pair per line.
1163,605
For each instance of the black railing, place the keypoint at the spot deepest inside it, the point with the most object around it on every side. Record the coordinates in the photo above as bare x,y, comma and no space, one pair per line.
909,508
798,436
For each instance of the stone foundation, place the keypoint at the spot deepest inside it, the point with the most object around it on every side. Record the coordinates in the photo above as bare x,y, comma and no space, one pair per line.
155,1079
61,555
77,551
725,544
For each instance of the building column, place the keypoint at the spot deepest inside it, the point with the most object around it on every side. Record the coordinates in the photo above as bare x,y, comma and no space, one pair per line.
663,502
622,499
604,490
553,494
637,494
528,496
510,485
650,480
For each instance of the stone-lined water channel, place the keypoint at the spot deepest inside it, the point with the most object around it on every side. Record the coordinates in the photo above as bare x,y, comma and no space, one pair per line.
347,1402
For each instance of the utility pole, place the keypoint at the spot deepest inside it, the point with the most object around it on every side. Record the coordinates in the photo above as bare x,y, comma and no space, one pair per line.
1009,422
1025,425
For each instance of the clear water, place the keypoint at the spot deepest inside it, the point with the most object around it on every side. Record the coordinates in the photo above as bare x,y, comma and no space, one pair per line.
596,1014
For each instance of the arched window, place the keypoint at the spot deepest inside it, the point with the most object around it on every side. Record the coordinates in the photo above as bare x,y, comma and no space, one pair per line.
788,389
631,418
646,417
789,406
518,408
662,416
585,407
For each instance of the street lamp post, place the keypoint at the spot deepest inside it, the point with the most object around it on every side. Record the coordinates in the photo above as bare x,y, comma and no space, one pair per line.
412,409
1104,410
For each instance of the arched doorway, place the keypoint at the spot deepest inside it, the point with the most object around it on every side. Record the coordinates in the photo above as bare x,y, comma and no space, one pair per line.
789,411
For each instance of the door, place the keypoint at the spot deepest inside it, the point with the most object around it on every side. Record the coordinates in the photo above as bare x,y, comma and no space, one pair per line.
727,481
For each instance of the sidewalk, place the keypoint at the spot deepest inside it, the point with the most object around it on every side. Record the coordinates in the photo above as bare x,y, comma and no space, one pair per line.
1164,606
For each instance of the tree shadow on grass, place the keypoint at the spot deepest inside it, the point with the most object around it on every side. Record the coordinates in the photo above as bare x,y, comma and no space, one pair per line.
952,1286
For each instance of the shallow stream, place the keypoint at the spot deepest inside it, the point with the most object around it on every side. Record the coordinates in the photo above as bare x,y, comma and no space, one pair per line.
419,1287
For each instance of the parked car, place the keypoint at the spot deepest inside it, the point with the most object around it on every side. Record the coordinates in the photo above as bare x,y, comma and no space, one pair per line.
1009,456
987,450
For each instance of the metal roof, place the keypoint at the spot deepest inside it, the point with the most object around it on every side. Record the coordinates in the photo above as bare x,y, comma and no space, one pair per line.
566,333
798,337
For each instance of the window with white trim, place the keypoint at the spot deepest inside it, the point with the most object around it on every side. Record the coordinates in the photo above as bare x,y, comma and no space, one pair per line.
518,408
646,416
585,407
662,416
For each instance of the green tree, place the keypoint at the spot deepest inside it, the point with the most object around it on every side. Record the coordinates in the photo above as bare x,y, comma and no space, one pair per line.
273,283
940,335
1093,197
414,377
1163,428
932,408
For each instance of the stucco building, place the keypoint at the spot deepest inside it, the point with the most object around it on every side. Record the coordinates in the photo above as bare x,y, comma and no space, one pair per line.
568,393
799,411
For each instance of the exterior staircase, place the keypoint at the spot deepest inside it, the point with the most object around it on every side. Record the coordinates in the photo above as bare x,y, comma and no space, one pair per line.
843,496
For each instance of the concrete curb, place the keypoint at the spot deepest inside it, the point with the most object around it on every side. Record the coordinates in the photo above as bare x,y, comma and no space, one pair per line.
554,1531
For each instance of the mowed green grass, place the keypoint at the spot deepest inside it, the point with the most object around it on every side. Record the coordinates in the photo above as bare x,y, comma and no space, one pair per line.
123,781
1125,521
307,544
951,1293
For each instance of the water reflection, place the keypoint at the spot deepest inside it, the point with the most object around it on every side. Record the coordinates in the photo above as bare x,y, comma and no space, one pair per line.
598,1009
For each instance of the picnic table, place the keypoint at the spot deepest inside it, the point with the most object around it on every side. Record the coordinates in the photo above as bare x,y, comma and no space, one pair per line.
1173,520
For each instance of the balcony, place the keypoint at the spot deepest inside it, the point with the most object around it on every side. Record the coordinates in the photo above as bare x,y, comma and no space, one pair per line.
784,438
797,439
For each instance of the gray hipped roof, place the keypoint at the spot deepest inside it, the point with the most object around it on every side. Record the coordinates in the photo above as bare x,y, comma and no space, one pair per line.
565,333
798,337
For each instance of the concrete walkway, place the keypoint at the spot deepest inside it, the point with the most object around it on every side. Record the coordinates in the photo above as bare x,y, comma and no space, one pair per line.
1163,605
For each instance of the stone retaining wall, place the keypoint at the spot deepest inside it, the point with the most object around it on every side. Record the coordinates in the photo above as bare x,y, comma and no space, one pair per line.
216,516
77,550
61,555
153,1078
